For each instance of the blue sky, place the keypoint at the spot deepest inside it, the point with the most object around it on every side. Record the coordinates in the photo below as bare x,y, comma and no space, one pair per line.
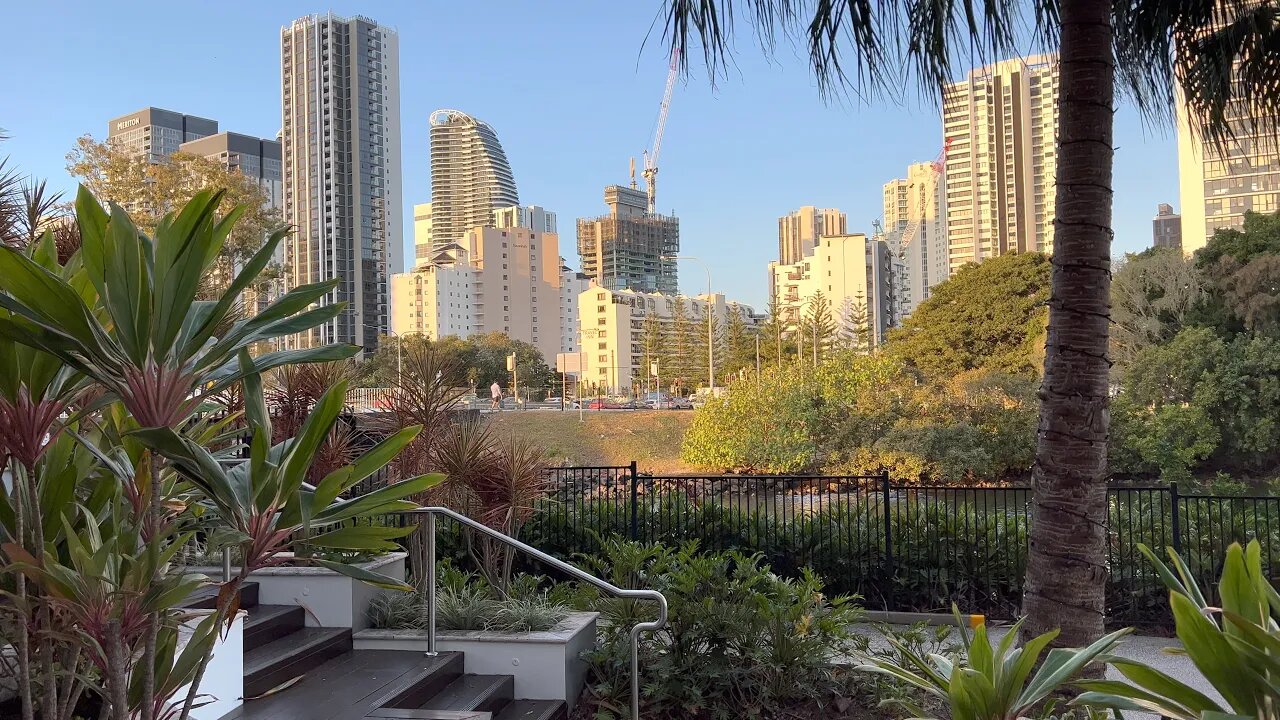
571,88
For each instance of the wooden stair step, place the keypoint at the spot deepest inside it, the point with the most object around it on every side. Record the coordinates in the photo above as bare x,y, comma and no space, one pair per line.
534,710
290,656
474,692
351,685
271,622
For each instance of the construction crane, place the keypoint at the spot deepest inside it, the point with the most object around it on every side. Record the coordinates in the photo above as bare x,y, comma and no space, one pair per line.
939,163
650,171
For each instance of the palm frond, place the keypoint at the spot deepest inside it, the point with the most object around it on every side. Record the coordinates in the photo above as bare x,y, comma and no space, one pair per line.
865,46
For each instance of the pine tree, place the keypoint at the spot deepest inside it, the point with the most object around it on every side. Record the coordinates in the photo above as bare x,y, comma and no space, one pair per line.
682,342
817,327
739,345
655,348
855,324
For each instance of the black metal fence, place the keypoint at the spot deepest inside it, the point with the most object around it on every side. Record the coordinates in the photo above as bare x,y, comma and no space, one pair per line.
899,546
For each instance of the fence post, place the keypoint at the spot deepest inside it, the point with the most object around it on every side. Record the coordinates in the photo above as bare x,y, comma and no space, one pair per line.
635,518
1177,521
888,535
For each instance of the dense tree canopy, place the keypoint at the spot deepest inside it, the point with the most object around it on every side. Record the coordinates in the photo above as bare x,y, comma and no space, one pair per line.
986,316
148,190
478,361
1154,295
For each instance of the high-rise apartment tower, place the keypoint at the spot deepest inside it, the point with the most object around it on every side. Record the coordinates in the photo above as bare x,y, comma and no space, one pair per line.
341,147
1000,130
157,133
630,248
1166,228
470,176
915,224
1218,185
798,232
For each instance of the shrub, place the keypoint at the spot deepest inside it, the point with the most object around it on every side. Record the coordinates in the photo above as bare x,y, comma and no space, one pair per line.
464,601
767,425
740,641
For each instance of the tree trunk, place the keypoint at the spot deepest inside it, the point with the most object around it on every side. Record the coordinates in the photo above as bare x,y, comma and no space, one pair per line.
1067,565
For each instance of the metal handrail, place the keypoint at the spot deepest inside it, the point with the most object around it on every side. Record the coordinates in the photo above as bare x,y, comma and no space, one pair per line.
576,572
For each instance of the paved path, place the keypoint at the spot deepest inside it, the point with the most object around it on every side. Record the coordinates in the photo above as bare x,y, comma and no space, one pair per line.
1144,648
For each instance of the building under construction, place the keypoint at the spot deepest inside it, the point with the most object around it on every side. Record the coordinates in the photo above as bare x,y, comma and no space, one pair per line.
631,248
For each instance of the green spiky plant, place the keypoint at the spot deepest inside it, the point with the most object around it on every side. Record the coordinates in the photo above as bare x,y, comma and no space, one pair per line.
112,355
1004,681
1235,646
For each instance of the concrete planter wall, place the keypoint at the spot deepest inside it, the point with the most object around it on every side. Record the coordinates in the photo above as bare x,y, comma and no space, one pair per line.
330,599
223,680
547,665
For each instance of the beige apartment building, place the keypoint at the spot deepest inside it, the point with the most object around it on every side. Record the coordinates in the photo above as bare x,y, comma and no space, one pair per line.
421,233
1218,186
856,275
915,227
494,280
798,231
612,327
1000,135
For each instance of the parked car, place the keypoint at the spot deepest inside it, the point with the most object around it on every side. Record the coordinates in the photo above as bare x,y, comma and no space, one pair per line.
657,401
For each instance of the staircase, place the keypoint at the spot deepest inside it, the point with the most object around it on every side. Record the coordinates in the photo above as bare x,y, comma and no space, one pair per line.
293,672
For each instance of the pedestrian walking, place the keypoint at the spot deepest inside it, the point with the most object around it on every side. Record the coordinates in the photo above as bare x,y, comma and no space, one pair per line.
495,392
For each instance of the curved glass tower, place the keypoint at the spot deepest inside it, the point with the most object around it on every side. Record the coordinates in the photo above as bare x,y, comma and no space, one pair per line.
470,176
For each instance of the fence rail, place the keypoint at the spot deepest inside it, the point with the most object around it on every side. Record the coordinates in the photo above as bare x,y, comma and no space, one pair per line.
899,546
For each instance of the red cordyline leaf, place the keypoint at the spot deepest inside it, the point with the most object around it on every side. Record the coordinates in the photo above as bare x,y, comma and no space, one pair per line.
158,395
27,428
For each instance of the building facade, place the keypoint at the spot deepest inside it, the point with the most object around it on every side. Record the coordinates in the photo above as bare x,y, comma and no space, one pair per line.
421,233
857,276
612,328
1166,228
533,217
572,285
495,280
341,151
798,231
436,298
1218,185
630,248
915,224
157,134
253,157
1000,138
470,175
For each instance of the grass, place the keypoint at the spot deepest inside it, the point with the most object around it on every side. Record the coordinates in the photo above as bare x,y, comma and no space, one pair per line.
650,437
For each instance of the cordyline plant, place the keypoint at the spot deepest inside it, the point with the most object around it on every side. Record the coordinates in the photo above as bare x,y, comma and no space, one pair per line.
110,352
1235,645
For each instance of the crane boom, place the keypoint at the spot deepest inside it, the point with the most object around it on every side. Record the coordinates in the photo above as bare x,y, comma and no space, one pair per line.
651,156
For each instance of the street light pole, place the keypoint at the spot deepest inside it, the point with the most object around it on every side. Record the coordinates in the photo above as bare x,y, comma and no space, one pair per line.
711,333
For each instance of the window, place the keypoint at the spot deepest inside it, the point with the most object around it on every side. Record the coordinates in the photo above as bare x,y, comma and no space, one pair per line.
604,346
602,321
604,358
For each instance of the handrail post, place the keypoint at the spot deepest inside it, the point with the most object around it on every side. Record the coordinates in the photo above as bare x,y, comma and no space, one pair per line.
226,564
430,540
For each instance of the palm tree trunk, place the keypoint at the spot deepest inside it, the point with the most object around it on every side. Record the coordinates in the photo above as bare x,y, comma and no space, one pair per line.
1067,566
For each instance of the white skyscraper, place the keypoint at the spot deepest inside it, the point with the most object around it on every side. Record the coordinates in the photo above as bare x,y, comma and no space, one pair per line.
470,176
341,151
